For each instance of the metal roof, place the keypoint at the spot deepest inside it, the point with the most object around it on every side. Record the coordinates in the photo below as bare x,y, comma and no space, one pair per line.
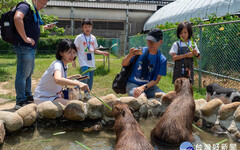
88,4
182,10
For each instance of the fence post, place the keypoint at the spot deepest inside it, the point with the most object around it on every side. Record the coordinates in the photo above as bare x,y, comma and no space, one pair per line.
200,61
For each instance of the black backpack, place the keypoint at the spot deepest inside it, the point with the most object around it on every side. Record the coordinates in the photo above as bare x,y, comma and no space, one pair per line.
8,30
119,83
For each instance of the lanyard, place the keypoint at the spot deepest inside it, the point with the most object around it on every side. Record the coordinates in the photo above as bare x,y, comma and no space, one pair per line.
88,45
65,69
181,49
181,46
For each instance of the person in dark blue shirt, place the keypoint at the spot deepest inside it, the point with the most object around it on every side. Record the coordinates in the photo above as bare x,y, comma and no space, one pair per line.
150,66
28,23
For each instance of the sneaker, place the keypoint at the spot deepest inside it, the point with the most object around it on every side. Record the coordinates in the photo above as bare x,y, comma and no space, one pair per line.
30,99
20,105
87,96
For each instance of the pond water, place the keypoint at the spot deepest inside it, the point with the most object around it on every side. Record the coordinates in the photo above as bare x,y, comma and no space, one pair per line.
39,138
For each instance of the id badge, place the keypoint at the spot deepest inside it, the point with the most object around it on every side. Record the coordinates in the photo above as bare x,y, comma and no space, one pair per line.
89,56
183,69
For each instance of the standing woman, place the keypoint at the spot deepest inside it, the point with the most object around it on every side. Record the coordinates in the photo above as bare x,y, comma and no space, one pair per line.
50,85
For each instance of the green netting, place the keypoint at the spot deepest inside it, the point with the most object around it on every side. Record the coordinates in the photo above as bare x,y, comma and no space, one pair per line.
109,43
219,45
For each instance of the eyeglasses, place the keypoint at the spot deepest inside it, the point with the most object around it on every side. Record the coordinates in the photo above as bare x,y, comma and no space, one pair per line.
72,53
43,3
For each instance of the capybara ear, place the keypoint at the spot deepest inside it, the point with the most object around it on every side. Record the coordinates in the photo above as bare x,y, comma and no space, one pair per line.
132,111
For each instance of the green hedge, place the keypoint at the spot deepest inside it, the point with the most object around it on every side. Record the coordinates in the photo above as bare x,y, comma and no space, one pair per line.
49,44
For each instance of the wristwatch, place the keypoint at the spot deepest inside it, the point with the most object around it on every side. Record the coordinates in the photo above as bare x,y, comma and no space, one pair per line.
197,55
145,86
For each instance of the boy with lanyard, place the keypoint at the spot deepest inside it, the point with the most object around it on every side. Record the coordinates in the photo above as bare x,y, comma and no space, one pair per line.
86,44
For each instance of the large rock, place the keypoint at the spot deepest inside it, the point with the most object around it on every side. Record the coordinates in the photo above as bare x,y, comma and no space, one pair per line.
211,107
50,109
159,94
12,121
155,107
237,114
142,99
2,132
144,111
131,102
109,99
95,108
199,105
28,114
75,110
228,110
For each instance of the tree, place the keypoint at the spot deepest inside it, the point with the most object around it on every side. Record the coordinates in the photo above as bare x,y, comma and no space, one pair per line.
7,5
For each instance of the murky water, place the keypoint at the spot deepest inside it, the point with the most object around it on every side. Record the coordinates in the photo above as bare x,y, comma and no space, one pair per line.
43,138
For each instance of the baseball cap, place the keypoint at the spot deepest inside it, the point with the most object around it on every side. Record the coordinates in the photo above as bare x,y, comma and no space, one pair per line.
155,35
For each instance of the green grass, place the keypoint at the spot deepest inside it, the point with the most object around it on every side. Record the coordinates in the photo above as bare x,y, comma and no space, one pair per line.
102,77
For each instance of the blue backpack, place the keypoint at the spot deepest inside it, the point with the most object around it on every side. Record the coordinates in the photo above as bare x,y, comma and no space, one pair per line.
8,29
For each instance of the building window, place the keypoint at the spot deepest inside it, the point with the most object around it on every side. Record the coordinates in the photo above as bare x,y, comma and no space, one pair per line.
108,25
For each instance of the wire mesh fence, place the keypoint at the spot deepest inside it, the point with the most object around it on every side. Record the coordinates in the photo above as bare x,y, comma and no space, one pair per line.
219,45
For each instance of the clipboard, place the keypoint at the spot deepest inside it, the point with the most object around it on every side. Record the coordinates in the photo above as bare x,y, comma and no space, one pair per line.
82,77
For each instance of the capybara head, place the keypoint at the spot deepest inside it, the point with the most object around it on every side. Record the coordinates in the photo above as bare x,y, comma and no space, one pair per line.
236,99
182,83
119,109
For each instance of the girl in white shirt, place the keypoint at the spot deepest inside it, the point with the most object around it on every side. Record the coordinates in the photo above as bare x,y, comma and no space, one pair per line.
50,85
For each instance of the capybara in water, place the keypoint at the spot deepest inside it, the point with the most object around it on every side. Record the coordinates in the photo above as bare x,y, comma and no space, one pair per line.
175,126
128,132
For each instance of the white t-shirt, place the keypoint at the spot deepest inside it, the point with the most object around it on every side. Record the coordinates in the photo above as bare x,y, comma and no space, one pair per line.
47,89
174,48
82,44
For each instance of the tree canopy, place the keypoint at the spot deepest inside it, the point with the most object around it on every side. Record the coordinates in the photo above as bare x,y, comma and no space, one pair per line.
7,5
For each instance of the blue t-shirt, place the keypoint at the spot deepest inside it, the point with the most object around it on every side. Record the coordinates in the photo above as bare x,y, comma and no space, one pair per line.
32,28
157,65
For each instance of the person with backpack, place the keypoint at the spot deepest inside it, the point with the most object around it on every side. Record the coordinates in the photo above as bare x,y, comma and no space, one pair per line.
28,22
149,67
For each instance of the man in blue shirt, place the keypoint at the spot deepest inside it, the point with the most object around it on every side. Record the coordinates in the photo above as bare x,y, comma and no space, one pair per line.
150,66
27,22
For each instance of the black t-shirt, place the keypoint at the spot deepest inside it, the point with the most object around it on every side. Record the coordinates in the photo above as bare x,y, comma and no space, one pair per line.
32,28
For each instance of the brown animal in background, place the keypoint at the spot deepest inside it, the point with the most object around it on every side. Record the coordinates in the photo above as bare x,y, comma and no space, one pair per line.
168,98
128,132
175,126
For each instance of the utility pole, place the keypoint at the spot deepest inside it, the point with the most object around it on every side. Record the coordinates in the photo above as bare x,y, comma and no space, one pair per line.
72,21
126,34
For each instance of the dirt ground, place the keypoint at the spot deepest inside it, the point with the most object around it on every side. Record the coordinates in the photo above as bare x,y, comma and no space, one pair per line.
6,104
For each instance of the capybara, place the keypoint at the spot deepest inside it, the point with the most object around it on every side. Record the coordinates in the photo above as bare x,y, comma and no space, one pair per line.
128,132
175,126
227,95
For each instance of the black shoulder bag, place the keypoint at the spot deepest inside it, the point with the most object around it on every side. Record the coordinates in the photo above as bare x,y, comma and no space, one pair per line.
119,83
8,29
